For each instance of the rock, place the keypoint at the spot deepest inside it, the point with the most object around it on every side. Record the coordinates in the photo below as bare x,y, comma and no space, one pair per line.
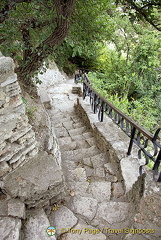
101,191
35,228
62,218
99,160
82,231
4,168
118,190
110,168
79,175
3,206
130,171
99,172
36,181
45,99
1,184
9,228
84,206
13,121
113,212
79,188
16,208
6,68
87,162
9,80
19,134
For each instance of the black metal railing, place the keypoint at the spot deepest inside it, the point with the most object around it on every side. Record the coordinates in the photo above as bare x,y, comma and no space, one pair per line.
148,144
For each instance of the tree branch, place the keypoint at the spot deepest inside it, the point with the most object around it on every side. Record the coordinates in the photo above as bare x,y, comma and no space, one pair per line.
26,39
142,13
150,4
34,61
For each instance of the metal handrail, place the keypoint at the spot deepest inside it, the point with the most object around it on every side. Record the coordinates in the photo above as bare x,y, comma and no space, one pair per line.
138,135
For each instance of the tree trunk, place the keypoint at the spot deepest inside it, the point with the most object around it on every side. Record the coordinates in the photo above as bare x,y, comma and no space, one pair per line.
34,60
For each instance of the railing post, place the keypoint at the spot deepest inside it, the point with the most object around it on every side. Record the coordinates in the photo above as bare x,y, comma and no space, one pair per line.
84,91
94,104
156,166
131,141
101,112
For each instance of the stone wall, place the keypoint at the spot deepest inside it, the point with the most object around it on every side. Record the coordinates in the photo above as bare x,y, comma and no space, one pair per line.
30,160
114,141
142,192
17,139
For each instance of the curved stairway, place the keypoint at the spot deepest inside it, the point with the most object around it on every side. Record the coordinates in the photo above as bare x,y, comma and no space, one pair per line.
95,197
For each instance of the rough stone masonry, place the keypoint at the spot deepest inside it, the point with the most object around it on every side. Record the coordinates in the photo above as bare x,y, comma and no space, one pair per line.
17,139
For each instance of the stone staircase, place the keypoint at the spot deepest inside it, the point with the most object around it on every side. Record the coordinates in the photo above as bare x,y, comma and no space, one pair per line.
94,203
85,201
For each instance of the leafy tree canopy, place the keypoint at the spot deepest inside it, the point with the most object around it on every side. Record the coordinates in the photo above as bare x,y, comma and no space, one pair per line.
31,30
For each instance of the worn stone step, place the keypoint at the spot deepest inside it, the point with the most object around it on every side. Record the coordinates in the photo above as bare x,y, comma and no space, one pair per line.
91,141
77,131
60,118
10,228
37,219
64,140
73,145
75,119
62,218
61,132
68,166
84,232
76,175
118,191
80,142
26,182
69,125
86,135
96,161
113,214
101,191
84,206
99,169
111,172
79,154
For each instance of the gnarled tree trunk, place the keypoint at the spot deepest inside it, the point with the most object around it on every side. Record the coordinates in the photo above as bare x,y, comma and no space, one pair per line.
32,60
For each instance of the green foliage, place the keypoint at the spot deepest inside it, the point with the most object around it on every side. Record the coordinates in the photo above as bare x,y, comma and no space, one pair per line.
144,110
122,54
127,72
29,109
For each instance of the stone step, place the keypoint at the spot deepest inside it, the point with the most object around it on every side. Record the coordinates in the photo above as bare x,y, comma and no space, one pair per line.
77,131
86,135
36,181
99,169
79,154
113,214
72,145
96,161
84,232
69,125
10,228
59,115
60,118
63,132
75,119
37,219
76,175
